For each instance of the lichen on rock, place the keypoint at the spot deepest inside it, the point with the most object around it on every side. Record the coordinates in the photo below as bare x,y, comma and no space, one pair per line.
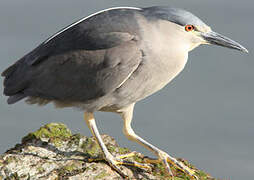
55,132
52,152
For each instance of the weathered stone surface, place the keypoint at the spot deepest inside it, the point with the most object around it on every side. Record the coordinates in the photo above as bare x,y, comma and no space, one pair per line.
52,152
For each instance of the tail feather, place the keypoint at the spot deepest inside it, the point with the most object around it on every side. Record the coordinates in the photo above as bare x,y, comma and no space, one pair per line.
13,91
15,81
15,98
16,77
7,72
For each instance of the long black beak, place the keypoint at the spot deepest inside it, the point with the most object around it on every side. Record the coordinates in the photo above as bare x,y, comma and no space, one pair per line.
220,40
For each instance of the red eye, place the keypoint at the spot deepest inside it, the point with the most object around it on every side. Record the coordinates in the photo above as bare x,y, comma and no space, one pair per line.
189,28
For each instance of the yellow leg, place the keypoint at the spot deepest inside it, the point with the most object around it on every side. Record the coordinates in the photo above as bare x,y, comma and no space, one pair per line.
162,156
113,161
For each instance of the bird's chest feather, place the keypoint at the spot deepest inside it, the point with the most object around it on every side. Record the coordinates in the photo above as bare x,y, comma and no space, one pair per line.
165,54
159,69
155,72
163,60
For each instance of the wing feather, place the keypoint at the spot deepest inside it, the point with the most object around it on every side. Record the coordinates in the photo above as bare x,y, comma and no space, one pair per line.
84,62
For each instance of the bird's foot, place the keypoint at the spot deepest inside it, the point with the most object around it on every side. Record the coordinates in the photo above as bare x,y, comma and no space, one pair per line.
166,160
114,162
123,156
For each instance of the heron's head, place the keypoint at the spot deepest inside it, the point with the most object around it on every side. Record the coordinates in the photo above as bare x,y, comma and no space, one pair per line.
191,30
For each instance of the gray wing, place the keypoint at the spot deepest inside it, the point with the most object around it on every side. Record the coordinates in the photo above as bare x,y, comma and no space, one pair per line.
79,64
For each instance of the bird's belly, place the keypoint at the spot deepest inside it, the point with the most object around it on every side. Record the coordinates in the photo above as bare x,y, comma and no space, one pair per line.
149,78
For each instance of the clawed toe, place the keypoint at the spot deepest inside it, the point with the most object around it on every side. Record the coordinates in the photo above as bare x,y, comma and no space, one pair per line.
132,163
166,160
115,162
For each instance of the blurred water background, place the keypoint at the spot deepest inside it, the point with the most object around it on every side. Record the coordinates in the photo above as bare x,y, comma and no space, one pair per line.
205,115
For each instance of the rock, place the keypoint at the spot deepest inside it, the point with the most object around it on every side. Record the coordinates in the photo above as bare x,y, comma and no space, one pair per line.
52,152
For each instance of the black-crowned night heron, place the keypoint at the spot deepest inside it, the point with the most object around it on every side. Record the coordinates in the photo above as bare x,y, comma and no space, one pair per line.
107,62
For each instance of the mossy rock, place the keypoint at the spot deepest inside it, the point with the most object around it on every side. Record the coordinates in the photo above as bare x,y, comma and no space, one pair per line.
72,157
53,132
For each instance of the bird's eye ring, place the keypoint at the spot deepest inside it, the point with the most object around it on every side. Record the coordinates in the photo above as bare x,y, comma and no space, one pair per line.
189,28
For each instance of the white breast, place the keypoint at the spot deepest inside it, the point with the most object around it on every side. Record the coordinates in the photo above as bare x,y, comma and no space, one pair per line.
166,53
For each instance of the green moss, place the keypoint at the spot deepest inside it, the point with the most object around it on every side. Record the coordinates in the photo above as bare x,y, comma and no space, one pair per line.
111,148
75,139
159,171
177,178
68,169
101,175
56,132
138,159
117,149
10,159
13,176
40,170
123,150
71,170
91,147
203,176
